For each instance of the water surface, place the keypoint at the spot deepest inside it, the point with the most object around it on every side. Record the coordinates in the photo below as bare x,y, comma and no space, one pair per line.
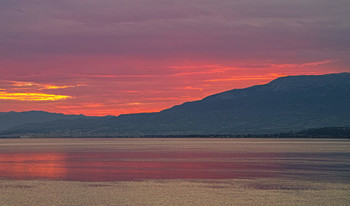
140,159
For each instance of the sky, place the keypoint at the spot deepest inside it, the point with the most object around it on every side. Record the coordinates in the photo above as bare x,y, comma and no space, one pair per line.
111,57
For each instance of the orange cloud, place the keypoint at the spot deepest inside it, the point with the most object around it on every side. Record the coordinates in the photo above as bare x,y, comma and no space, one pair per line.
22,84
190,88
55,87
41,86
117,76
312,64
208,69
243,78
32,96
135,103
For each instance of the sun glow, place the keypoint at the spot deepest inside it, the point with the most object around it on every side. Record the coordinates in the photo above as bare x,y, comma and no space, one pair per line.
32,96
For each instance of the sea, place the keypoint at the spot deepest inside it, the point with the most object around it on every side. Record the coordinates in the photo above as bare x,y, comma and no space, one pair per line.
124,159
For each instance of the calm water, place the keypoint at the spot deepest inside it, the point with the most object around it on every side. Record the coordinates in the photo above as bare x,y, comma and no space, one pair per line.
138,159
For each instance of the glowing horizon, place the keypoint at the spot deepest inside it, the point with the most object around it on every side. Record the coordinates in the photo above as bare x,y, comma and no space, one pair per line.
118,57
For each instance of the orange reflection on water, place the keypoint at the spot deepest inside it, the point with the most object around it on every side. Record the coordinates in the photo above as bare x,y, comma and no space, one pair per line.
33,165
126,165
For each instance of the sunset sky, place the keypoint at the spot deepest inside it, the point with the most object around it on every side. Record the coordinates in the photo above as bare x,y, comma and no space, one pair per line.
111,57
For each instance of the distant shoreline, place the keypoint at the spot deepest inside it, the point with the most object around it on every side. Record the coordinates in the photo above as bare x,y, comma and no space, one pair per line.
177,137
321,133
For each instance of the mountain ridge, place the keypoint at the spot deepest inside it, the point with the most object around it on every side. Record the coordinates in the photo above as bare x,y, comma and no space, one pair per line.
291,103
12,119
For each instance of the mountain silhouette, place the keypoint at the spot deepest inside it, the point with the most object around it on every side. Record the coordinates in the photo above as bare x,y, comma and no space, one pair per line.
291,103
12,119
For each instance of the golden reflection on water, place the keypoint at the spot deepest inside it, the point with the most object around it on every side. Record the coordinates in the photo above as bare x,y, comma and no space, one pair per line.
33,165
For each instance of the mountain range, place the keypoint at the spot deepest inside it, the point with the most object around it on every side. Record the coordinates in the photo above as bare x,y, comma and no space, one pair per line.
286,104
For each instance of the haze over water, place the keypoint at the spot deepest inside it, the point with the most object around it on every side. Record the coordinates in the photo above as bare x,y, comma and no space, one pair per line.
141,159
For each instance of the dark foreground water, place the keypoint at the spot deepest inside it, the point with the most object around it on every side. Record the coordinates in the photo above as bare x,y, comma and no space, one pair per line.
139,159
